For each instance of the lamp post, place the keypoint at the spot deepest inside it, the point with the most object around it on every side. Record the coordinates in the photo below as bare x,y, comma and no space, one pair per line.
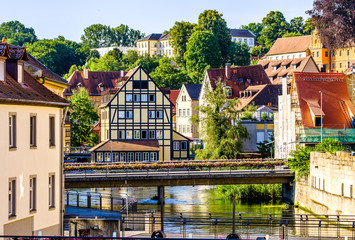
321,116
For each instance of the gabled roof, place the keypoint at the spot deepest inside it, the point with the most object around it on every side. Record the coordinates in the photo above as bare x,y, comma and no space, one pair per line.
290,45
45,71
301,63
241,77
31,92
241,33
337,107
193,90
173,96
108,79
127,146
260,95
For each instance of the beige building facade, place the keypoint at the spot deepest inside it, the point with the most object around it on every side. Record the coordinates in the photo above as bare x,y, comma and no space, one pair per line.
155,44
186,103
31,118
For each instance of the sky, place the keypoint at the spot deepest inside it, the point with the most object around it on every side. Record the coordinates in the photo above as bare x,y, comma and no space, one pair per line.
69,18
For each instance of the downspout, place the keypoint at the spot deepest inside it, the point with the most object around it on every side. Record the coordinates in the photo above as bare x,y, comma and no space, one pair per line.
62,207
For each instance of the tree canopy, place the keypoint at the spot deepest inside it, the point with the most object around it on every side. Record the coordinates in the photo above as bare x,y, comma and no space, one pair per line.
180,34
165,75
222,139
82,116
239,54
275,26
99,35
16,33
201,52
59,54
335,22
212,21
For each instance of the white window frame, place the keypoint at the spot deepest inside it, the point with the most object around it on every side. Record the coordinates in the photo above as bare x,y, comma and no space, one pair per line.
129,97
176,145
136,97
12,197
146,134
159,134
51,188
121,134
12,130
152,131
122,157
129,114
130,157
153,97
138,157
107,157
33,193
159,114
144,98
181,145
145,156
33,130
151,114
121,114
115,157
153,156
129,134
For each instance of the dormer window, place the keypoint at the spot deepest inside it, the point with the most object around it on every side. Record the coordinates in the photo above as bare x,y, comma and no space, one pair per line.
101,87
80,85
284,67
294,66
274,68
20,72
317,121
228,90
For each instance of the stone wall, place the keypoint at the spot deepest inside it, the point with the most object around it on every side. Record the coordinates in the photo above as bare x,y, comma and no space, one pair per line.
329,188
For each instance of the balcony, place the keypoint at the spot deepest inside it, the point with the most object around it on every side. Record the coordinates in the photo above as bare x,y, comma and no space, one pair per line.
344,135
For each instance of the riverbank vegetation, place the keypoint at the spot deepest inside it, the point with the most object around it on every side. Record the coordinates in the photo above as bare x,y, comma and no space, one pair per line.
251,192
299,163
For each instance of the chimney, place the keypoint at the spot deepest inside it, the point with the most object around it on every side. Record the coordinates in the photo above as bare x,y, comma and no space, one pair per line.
86,73
3,40
2,69
20,71
228,71
122,73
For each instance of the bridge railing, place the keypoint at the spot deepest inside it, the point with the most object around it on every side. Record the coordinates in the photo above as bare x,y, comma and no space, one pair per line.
102,201
231,164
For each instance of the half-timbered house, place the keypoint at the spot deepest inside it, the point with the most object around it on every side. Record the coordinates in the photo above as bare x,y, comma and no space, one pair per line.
136,123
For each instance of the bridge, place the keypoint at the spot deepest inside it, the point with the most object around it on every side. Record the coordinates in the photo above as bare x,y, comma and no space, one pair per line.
176,177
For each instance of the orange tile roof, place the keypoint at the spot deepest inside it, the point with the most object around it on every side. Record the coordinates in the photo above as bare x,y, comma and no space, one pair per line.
290,45
288,63
127,146
337,107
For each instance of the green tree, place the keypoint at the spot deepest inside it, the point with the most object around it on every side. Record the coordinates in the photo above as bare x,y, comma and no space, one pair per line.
222,139
92,54
201,52
59,54
255,28
165,75
82,116
16,33
105,63
239,54
149,63
99,35
259,51
248,112
212,21
308,27
180,34
275,26
292,34
296,25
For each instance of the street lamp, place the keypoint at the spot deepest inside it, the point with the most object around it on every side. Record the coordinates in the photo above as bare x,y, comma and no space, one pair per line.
321,116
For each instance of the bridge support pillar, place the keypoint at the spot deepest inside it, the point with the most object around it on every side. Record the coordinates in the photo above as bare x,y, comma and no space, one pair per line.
288,192
161,199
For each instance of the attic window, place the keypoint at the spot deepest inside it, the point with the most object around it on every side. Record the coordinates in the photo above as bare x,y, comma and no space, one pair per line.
80,85
274,68
284,67
294,66
101,87
317,121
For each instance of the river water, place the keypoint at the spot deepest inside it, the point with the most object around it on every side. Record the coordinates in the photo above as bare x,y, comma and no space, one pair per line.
191,201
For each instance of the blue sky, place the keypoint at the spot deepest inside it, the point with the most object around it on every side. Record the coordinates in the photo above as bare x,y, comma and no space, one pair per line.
51,18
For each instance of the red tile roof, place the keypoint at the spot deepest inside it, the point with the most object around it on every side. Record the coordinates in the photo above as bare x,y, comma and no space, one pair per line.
337,107
108,79
290,45
173,96
288,63
240,77
127,146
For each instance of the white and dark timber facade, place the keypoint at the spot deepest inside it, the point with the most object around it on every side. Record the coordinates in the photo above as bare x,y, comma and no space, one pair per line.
136,123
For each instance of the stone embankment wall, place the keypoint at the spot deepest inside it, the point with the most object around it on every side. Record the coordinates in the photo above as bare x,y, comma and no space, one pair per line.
329,188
